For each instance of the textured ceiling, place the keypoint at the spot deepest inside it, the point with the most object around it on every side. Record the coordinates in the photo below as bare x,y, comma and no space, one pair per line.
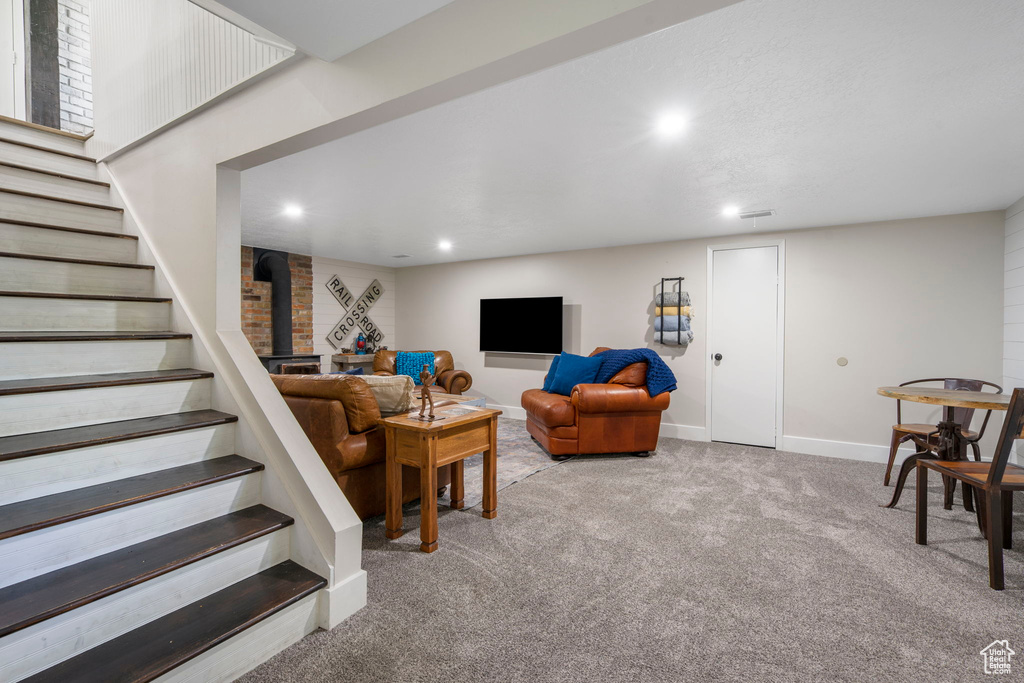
828,111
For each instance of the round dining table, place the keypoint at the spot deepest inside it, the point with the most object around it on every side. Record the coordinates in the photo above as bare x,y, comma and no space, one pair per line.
949,438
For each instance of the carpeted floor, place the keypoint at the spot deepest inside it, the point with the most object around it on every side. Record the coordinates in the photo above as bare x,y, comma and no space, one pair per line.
704,562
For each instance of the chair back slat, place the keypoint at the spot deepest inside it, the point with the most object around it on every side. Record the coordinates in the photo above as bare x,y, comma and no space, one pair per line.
1013,428
963,416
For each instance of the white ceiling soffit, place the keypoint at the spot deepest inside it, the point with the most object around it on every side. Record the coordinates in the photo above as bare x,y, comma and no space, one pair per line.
829,111
328,29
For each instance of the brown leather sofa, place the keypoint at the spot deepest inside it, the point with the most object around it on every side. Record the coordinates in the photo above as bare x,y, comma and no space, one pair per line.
342,420
617,417
449,380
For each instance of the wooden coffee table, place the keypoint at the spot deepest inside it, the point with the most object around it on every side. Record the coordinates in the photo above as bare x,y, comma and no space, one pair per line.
463,431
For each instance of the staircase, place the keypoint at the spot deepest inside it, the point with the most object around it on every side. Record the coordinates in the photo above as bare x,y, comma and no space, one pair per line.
133,541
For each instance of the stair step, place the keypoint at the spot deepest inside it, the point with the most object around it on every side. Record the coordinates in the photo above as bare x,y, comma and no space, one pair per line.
168,642
60,274
46,240
38,443
28,207
58,336
41,513
12,140
27,178
39,157
116,379
38,312
25,355
35,600
44,136
77,261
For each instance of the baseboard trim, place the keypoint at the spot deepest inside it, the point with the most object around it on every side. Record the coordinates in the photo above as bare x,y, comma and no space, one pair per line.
515,412
846,450
342,600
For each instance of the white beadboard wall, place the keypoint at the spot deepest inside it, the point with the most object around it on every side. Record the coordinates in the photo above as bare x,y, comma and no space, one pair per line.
1013,298
327,311
158,61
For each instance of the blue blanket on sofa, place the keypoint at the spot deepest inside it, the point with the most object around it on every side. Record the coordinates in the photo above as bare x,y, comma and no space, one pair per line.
659,376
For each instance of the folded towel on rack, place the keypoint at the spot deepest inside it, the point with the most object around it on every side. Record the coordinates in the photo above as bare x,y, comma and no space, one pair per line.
674,310
676,330
671,323
672,299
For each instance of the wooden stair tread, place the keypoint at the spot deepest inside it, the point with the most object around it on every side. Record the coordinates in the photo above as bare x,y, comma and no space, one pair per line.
64,228
20,143
63,336
114,379
165,643
38,443
45,129
40,598
56,174
88,297
64,200
84,262
46,511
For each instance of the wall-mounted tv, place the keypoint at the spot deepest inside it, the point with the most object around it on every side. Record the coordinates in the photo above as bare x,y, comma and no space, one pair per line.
527,325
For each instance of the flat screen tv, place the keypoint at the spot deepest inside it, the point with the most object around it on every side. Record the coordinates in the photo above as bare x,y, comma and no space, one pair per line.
528,325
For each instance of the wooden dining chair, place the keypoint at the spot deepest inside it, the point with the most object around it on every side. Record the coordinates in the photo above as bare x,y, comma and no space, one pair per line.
923,435
994,483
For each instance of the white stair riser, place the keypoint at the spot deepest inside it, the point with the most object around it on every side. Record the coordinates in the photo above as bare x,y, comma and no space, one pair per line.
44,475
38,552
16,154
26,239
19,208
37,647
44,183
44,411
25,360
57,277
42,138
250,648
83,315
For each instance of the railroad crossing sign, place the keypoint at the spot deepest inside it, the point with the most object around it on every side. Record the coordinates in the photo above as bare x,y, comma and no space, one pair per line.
355,312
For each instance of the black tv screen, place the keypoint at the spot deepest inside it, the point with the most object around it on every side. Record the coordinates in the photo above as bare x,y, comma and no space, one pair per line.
528,325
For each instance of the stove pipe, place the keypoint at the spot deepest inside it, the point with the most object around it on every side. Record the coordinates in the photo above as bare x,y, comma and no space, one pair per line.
272,266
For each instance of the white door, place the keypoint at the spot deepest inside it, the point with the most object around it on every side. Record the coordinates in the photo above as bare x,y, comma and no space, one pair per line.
743,308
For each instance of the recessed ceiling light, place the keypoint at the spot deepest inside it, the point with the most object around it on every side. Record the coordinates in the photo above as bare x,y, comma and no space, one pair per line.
444,245
292,210
731,211
671,124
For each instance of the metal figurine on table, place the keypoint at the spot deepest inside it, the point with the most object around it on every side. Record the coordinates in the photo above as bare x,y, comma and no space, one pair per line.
426,379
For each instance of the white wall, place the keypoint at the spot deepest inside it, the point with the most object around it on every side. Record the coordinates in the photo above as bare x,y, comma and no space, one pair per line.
161,60
901,300
327,311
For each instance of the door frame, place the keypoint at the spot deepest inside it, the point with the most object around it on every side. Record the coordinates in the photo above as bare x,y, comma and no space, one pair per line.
780,325
20,80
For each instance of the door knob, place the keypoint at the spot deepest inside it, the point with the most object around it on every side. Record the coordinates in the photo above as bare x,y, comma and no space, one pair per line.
717,356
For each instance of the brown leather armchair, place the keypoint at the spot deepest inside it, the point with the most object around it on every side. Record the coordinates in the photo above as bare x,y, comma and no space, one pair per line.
449,380
342,420
617,417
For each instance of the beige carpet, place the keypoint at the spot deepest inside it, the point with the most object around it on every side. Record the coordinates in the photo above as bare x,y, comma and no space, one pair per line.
705,562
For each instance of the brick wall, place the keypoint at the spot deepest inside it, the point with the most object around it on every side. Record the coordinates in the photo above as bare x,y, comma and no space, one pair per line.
75,66
256,305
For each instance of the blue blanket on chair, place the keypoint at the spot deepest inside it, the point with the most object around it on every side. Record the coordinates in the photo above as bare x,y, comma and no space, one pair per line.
659,376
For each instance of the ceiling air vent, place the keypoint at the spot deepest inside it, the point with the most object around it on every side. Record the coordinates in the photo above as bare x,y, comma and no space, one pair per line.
402,256
757,214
